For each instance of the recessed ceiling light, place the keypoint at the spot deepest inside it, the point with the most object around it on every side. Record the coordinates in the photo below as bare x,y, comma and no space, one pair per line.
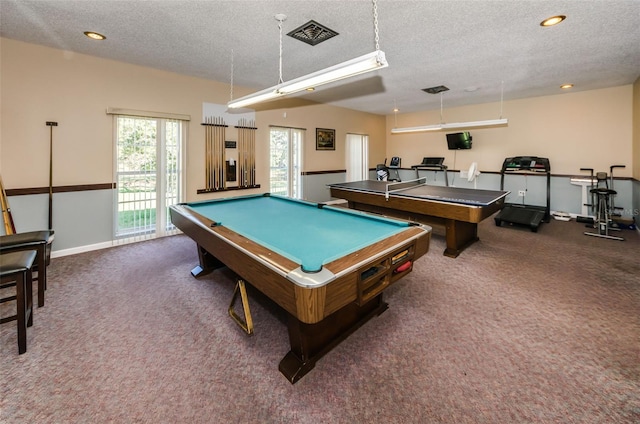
566,86
554,20
94,35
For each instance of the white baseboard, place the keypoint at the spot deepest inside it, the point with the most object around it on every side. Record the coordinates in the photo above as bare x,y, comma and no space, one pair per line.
105,245
81,249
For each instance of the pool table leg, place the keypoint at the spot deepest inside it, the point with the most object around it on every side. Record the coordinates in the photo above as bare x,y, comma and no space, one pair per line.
208,263
459,235
310,342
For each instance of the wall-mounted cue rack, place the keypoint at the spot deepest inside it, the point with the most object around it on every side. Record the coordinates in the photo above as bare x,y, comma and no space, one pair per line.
247,153
219,170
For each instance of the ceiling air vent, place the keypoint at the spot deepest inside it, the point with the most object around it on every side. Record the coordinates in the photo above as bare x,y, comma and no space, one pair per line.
436,90
312,33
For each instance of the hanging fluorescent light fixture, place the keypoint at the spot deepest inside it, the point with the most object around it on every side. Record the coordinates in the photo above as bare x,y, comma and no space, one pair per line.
350,68
259,97
501,122
453,126
357,66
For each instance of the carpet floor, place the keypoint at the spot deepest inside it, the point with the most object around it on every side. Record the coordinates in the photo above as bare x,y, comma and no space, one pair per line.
521,328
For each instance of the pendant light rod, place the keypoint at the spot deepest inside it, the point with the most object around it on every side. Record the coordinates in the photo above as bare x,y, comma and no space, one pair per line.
359,65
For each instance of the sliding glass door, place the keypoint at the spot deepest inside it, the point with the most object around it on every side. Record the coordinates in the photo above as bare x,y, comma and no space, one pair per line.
148,158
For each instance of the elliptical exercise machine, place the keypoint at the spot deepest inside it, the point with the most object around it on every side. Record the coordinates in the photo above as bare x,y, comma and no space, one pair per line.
602,203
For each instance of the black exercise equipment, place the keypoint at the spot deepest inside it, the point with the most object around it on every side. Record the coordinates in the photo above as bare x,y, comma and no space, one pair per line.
394,165
383,172
521,214
602,203
432,164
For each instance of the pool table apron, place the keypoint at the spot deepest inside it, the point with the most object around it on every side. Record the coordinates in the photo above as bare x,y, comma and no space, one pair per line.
318,317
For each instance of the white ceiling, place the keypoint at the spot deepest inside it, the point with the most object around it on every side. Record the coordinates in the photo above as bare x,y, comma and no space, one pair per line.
492,45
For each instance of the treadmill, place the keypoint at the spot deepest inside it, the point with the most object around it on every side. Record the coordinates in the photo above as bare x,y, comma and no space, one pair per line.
521,214
432,164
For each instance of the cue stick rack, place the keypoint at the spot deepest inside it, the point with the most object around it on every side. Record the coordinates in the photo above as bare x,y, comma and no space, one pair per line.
217,167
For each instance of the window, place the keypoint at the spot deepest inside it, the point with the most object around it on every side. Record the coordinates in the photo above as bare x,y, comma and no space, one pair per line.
149,175
357,157
286,161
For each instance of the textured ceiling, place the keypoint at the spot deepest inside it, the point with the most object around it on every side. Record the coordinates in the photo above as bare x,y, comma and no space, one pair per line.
489,45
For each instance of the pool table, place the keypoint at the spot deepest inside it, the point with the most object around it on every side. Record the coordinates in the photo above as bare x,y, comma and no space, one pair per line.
326,266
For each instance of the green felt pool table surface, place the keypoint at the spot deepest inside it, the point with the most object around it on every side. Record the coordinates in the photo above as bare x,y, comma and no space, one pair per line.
298,230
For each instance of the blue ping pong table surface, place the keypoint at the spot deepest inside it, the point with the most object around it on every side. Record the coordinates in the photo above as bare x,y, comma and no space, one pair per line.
466,196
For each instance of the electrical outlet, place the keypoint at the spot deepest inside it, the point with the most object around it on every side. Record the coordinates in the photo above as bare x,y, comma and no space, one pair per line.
464,174
522,193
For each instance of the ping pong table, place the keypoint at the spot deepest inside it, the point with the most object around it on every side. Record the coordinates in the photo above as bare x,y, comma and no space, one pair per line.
458,209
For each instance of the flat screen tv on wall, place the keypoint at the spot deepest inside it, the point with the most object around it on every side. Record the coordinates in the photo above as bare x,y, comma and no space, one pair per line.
459,141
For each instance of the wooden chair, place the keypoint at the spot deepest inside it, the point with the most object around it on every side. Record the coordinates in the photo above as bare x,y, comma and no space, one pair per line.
16,270
32,240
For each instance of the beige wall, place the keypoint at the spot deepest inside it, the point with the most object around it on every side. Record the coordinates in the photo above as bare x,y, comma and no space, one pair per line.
41,84
342,120
583,129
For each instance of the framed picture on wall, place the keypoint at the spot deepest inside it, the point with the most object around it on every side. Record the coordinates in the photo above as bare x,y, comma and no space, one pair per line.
325,139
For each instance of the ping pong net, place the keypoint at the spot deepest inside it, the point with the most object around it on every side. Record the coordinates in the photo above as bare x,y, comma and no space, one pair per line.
401,186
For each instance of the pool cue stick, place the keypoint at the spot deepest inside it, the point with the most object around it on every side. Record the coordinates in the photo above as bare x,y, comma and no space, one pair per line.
214,142
223,170
219,132
7,218
214,165
216,158
212,173
247,148
240,156
221,153
206,153
252,134
245,154
212,154
51,125
216,129
252,137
